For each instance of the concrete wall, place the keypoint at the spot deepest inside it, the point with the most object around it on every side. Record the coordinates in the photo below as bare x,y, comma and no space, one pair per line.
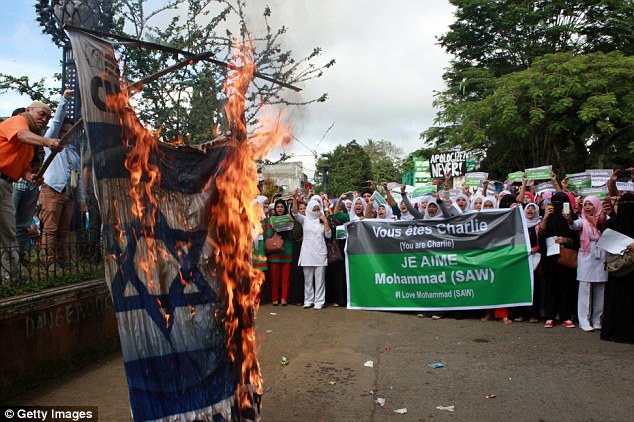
46,334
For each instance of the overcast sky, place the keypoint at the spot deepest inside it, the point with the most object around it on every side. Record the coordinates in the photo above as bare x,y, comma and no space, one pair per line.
388,65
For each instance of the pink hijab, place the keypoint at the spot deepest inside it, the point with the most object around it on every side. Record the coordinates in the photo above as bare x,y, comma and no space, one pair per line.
585,232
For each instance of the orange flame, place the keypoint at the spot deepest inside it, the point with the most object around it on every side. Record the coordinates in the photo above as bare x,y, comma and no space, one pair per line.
233,220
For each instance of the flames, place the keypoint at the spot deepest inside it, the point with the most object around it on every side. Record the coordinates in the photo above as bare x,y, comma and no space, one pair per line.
231,222
233,219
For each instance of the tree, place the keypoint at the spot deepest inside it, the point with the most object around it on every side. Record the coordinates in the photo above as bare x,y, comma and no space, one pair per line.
386,160
558,111
37,91
188,104
507,35
349,166
492,39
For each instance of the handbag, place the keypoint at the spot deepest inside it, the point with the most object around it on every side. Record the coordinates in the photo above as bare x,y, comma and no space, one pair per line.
334,253
620,265
274,243
567,257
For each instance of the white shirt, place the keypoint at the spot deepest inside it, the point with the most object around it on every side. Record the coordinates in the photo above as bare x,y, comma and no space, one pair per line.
313,252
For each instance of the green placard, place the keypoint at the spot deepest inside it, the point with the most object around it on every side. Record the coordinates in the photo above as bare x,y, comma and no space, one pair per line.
539,173
601,192
475,178
516,176
579,181
281,223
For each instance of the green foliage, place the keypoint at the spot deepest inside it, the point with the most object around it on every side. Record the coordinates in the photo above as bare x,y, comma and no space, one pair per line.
555,112
189,104
550,81
386,160
352,164
37,91
31,286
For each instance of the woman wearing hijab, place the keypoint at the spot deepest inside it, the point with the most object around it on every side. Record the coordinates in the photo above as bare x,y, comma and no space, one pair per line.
435,210
336,288
531,214
591,274
296,289
561,281
358,209
462,202
489,203
313,256
618,310
259,252
476,203
279,263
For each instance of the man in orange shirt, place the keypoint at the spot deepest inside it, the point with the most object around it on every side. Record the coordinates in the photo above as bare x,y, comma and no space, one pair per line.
18,135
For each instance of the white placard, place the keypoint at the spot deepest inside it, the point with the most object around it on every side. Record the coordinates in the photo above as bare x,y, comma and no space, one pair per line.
614,242
552,248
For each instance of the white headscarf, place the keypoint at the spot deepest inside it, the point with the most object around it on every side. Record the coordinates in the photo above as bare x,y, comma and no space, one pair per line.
535,220
388,212
319,199
475,198
406,216
260,199
423,200
455,202
438,215
491,200
353,214
346,202
309,208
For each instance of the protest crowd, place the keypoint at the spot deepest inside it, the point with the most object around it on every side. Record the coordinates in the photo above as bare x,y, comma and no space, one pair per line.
301,250
299,247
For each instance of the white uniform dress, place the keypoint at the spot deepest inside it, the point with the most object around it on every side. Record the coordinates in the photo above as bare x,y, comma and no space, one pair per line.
313,257
592,278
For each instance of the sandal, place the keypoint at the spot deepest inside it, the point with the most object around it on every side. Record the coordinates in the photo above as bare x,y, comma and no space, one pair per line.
506,321
519,319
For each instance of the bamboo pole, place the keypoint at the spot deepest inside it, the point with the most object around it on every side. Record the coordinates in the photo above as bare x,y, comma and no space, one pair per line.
160,47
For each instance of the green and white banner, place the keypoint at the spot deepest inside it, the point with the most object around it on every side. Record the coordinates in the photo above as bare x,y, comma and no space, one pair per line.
470,261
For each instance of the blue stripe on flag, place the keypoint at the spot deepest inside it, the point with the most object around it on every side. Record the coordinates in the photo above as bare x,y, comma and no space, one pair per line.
178,383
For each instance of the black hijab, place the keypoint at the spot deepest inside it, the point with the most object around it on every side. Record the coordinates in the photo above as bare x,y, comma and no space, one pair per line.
280,201
557,224
506,201
624,220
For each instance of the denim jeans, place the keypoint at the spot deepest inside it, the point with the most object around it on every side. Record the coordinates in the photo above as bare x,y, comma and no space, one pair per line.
24,202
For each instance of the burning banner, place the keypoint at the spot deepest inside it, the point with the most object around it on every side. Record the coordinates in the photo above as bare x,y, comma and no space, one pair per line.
178,235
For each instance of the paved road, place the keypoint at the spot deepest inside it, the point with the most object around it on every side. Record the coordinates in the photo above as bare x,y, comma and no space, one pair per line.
536,374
